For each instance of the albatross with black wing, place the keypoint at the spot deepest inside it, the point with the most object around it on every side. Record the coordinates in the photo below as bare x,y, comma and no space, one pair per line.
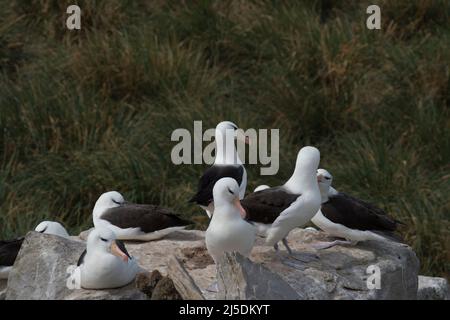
226,164
130,221
278,210
344,216
105,264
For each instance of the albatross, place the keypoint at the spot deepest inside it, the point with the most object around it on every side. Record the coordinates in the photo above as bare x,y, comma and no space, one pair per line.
106,263
278,210
228,231
130,221
226,164
9,249
344,216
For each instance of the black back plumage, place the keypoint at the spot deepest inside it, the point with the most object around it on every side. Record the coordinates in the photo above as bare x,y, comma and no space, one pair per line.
9,249
148,217
81,259
204,195
266,205
357,214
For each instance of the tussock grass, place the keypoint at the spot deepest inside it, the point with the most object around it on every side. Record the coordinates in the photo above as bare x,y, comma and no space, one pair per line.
86,112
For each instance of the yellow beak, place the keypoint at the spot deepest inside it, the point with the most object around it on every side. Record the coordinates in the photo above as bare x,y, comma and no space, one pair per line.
115,250
241,209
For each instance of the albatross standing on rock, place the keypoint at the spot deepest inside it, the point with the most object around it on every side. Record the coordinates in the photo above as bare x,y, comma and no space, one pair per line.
129,221
228,231
105,264
9,249
350,218
280,209
226,164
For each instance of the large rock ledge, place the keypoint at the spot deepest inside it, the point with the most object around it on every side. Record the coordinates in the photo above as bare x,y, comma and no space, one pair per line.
40,271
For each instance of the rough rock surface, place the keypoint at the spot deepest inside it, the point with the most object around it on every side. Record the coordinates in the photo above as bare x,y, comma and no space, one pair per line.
433,288
340,272
40,272
3,284
241,279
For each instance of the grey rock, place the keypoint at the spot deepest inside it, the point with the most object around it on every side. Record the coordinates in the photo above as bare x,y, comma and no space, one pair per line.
146,282
433,288
3,284
40,272
129,292
340,272
241,279
182,281
165,290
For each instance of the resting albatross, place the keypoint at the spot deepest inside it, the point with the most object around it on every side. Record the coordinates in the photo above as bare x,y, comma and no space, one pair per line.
129,221
105,264
9,249
350,218
278,210
226,164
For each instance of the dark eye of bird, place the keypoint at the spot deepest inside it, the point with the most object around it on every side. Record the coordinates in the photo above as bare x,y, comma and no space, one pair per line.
105,240
229,190
116,202
328,178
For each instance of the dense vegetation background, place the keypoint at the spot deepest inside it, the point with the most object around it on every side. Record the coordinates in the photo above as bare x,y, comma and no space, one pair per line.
84,112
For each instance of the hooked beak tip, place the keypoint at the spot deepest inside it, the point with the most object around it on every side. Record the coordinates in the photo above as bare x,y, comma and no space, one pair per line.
115,250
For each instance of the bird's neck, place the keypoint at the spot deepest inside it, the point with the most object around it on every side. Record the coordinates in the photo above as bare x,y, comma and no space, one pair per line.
226,150
301,181
98,211
324,194
332,192
225,211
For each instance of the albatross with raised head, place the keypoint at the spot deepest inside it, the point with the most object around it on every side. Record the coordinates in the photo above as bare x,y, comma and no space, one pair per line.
278,210
226,164
130,221
355,220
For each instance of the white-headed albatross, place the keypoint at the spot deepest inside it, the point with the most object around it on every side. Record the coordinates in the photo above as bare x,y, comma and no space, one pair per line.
9,249
130,221
228,231
281,209
105,264
226,164
350,218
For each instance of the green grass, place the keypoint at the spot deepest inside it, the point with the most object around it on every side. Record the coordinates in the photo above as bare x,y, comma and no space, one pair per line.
84,112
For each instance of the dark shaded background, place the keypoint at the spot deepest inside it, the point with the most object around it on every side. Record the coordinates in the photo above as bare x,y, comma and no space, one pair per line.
84,112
